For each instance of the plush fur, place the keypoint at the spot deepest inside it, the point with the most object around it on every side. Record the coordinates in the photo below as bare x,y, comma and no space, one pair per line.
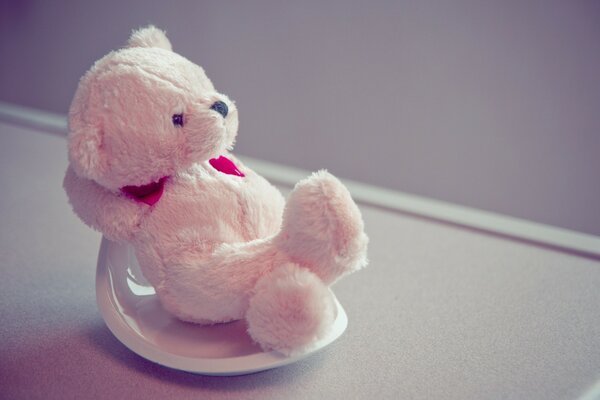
216,246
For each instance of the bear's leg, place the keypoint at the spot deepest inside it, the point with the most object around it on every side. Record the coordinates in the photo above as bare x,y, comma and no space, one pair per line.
322,231
290,310
322,228
207,284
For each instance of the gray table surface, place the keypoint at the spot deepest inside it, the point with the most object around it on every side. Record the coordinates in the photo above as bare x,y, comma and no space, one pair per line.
441,312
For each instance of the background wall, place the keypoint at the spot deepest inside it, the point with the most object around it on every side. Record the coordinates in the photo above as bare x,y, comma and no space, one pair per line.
494,105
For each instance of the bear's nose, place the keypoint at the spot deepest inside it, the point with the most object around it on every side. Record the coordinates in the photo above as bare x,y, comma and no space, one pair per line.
220,107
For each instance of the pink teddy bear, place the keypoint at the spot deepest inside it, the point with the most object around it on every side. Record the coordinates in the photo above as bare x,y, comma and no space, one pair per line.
149,141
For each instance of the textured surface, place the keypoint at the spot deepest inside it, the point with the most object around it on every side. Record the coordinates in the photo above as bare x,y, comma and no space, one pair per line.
489,104
441,312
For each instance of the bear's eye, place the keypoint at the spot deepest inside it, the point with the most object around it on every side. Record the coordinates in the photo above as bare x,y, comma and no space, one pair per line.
177,119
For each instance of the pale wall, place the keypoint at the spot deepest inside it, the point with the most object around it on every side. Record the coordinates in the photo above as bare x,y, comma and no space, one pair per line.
494,105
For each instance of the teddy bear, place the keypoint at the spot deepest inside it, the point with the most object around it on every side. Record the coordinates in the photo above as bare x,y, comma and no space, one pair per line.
150,164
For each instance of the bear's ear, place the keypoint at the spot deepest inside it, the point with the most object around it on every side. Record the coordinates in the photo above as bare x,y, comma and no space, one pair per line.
86,154
149,36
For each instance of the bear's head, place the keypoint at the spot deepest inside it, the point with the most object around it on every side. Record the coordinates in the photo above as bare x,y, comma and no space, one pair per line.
143,112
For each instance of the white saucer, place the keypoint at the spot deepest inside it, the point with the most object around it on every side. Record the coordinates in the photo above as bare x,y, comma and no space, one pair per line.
133,313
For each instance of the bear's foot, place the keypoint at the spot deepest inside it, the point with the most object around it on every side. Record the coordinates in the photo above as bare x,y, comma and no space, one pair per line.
323,229
291,310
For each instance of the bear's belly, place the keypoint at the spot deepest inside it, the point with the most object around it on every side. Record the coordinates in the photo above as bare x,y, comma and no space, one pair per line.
198,211
217,207
201,209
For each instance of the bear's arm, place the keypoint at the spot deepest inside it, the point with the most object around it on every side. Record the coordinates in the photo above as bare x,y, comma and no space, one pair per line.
114,215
